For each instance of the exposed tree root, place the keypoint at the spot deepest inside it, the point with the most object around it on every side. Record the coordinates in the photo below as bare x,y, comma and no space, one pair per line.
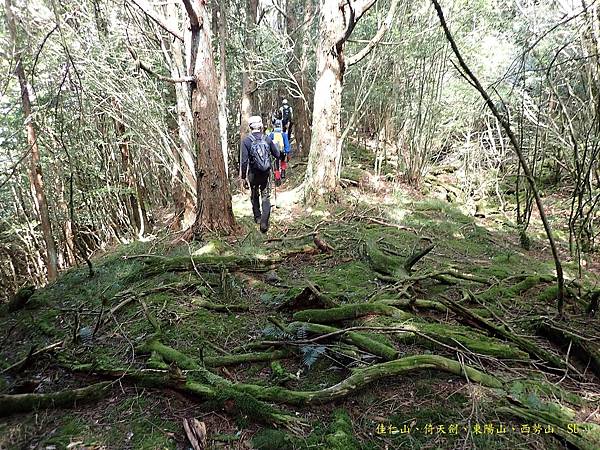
459,337
360,340
203,303
19,403
183,361
582,349
524,344
508,292
360,378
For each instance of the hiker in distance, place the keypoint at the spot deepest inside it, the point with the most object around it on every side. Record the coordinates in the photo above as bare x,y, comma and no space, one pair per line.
286,114
281,141
255,169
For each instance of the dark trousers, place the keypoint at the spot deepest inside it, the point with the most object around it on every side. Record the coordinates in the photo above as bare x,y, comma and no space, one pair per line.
260,194
287,127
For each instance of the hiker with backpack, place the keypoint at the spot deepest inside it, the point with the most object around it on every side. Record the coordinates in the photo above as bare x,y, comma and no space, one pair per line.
255,167
287,117
281,141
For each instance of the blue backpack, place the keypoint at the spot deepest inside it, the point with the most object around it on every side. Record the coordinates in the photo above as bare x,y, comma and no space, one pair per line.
260,155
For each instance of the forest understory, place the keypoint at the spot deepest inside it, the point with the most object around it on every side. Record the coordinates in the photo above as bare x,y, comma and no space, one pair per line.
393,319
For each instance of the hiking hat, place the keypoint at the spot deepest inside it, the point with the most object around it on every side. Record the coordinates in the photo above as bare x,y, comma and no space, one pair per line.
278,123
284,101
255,122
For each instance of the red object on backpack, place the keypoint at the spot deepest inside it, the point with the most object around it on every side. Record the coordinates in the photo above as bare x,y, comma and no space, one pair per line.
283,165
277,175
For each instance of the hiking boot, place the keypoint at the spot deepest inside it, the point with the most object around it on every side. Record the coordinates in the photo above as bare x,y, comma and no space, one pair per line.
264,225
257,219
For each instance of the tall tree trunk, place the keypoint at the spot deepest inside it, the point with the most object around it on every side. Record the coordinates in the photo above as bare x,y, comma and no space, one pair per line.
248,85
35,174
321,173
213,210
222,26
338,20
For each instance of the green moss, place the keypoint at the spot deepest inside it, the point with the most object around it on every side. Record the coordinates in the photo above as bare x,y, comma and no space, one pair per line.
515,290
354,280
270,439
341,435
71,429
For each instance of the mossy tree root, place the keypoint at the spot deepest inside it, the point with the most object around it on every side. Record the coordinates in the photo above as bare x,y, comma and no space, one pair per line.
183,361
203,303
347,312
361,378
360,340
526,345
21,403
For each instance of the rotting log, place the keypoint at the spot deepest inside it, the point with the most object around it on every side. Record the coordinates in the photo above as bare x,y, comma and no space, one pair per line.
20,403
528,346
508,292
360,340
348,312
581,349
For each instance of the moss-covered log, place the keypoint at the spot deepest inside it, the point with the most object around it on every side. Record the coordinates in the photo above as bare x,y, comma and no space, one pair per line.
360,340
526,345
20,403
584,350
348,312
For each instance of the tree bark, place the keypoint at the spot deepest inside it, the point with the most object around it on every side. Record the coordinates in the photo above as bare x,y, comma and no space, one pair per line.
321,173
35,171
222,24
183,176
213,209
337,23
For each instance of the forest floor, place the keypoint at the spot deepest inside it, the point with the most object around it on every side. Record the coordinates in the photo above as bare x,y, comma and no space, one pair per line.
454,339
